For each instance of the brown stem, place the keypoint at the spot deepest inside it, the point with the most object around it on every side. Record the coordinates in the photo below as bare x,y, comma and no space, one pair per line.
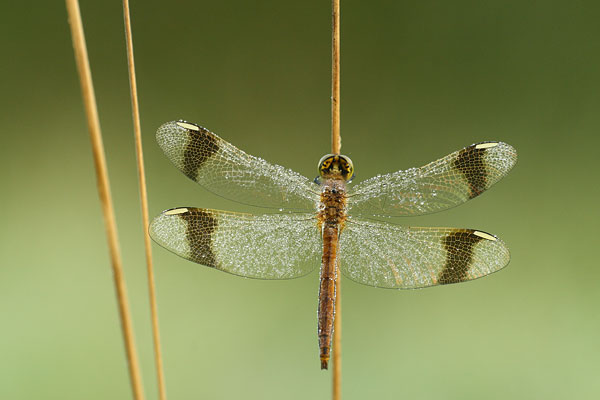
336,141
137,132
336,145
89,100
337,341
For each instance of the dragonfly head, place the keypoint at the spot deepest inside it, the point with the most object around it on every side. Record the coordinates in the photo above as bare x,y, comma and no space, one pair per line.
335,166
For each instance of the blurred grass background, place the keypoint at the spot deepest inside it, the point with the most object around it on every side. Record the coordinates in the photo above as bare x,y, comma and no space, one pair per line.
419,80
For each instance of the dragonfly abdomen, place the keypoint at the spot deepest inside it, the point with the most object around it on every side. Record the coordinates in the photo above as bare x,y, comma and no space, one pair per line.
327,291
331,220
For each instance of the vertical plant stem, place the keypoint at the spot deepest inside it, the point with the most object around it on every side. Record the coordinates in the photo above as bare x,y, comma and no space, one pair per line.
336,141
89,100
336,145
337,341
137,132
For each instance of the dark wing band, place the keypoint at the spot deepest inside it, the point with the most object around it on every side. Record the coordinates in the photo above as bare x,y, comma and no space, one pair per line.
271,246
392,256
437,186
229,172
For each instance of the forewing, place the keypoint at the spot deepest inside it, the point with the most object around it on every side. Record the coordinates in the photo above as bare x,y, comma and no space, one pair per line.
392,256
229,172
271,246
437,186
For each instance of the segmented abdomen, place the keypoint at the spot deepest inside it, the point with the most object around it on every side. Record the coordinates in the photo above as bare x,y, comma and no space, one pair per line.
327,291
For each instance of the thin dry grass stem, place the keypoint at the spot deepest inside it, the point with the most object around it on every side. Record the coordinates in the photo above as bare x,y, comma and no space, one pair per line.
336,145
337,341
89,100
137,132
336,141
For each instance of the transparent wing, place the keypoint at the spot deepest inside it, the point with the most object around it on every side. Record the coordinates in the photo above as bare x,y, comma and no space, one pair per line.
229,172
437,186
392,256
272,246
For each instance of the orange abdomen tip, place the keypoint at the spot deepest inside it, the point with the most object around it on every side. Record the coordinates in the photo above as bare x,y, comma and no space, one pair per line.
324,362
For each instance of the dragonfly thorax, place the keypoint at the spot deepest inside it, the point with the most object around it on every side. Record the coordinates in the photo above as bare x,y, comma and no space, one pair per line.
335,166
332,208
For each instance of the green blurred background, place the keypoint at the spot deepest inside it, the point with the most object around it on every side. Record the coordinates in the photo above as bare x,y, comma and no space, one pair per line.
419,80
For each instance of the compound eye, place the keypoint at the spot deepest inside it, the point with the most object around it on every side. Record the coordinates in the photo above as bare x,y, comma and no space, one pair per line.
325,162
347,167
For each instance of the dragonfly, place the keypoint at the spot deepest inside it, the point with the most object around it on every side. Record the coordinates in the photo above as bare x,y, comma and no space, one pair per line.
329,222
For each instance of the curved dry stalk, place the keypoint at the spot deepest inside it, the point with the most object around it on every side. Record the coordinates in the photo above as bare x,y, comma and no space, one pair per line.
91,110
137,132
